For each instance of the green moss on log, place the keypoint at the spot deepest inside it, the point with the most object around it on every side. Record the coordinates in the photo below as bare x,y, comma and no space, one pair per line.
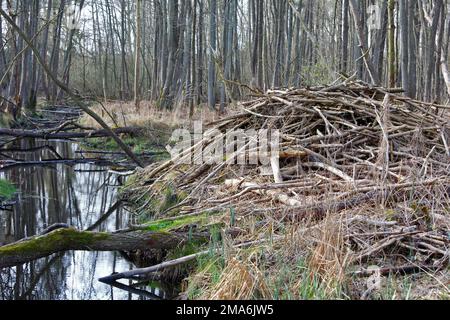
170,224
62,237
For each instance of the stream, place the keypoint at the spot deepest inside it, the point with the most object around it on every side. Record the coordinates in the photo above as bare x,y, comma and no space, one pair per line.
77,195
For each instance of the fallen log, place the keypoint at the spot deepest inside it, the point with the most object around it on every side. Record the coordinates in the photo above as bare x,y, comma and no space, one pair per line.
66,135
68,239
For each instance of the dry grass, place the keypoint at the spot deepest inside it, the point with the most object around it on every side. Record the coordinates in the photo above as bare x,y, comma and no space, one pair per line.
330,257
240,281
123,114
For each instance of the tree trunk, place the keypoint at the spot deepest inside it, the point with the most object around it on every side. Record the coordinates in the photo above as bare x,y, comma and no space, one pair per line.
391,45
431,52
167,98
137,62
444,55
280,49
345,32
362,42
404,37
412,50
212,52
200,50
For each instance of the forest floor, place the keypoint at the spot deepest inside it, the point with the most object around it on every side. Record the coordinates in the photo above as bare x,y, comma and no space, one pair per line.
360,208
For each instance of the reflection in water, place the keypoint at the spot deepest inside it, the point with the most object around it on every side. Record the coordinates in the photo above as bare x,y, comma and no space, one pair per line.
76,196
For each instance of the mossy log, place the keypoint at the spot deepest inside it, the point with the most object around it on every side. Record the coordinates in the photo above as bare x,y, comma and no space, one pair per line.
71,239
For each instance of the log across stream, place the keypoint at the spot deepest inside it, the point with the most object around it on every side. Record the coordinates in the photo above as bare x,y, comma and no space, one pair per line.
76,195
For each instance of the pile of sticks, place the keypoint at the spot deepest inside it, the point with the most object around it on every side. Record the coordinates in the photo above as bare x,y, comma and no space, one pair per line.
349,149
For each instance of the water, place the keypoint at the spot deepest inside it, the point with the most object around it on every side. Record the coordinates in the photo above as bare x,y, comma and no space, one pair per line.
78,196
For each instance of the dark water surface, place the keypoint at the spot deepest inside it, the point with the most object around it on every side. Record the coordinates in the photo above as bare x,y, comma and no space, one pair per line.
78,196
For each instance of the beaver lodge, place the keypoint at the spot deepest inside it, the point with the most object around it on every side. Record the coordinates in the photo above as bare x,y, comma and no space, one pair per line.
362,191
358,206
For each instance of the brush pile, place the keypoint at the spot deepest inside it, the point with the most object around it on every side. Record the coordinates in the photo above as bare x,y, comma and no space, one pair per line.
374,161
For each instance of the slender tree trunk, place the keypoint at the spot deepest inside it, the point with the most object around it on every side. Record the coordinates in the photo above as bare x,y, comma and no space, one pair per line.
431,53
280,49
404,35
137,56
173,44
391,47
212,53
373,74
200,53
412,50
444,56
345,34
